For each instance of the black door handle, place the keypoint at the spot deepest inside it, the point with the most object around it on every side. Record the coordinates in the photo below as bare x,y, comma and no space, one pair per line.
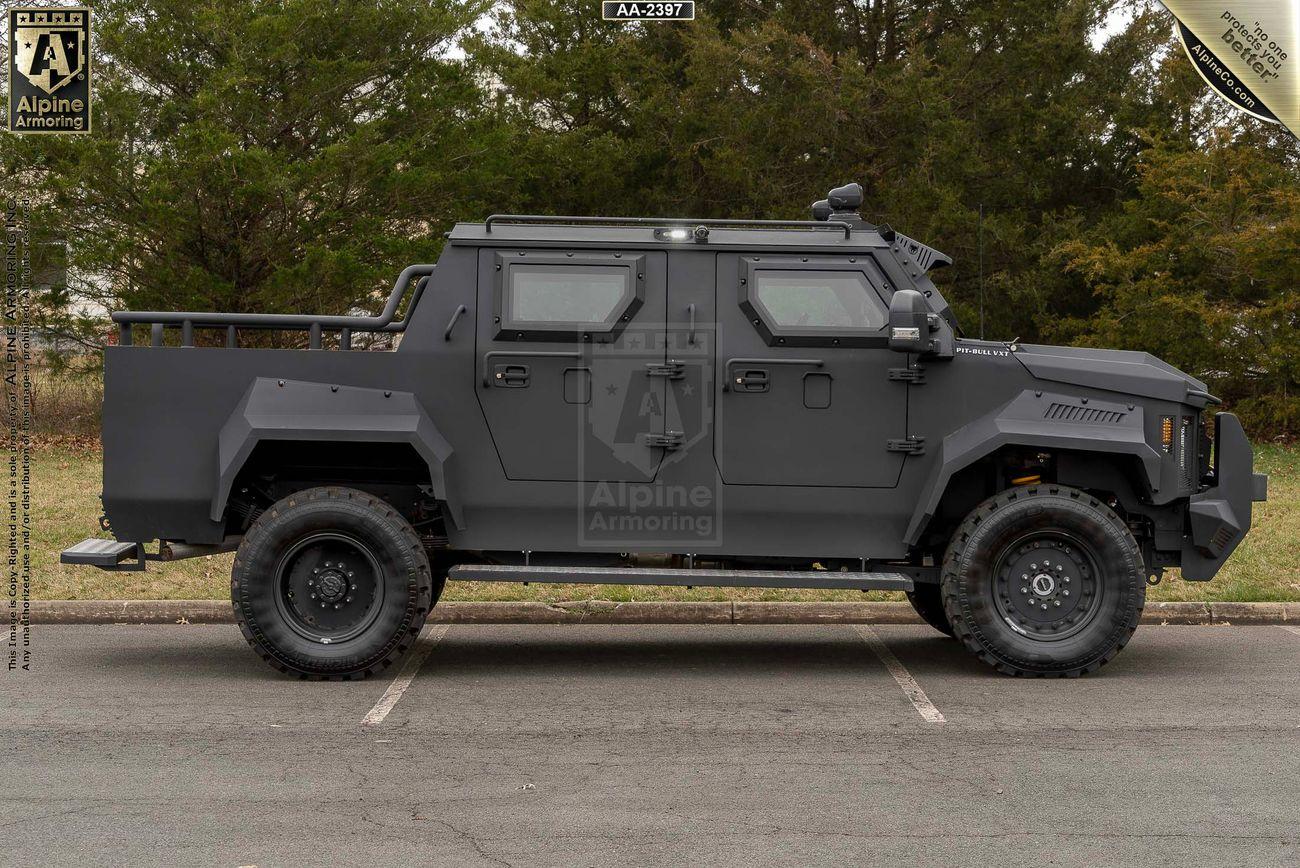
511,376
754,380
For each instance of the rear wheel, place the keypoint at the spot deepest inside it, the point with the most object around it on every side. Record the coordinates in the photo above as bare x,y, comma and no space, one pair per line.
331,583
1044,580
927,600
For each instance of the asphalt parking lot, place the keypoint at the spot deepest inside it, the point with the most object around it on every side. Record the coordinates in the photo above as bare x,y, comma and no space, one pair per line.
652,745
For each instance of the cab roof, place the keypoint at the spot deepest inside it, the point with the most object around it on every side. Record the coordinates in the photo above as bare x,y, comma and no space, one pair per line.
661,233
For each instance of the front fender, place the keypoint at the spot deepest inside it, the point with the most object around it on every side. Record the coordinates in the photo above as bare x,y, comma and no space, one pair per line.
1033,419
300,410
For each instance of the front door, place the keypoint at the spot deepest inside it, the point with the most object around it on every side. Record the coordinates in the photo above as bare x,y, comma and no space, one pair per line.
569,362
804,395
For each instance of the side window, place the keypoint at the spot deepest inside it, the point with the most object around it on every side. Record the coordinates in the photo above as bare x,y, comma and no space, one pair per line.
819,299
565,297
828,303
566,294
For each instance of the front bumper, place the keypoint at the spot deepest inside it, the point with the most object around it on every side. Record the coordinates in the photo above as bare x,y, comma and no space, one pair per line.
1220,516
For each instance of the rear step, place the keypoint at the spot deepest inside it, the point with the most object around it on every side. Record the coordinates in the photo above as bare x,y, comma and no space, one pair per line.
106,554
703,578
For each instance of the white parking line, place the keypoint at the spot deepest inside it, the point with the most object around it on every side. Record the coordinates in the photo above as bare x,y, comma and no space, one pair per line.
1295,630
424,645
920,701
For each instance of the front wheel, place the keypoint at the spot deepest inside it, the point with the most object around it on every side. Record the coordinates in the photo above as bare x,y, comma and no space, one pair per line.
331,583
1044,580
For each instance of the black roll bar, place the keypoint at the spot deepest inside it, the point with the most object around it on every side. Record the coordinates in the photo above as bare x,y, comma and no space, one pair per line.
231,322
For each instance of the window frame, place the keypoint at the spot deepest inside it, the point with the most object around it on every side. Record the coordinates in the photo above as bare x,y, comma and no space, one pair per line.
818,336
508,328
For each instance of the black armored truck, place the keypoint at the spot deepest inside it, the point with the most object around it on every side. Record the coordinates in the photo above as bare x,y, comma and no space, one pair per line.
661,401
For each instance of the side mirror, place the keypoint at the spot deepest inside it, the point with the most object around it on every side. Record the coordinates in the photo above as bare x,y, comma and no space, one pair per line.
913,328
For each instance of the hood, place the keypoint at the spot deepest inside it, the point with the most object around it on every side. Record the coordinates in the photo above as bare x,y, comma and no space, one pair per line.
1124,371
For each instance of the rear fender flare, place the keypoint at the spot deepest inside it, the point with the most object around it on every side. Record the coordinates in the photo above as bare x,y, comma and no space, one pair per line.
1024,421
300,410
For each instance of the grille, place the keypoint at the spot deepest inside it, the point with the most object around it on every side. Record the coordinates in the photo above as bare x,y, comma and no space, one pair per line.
1186,457
1071,413
1222,537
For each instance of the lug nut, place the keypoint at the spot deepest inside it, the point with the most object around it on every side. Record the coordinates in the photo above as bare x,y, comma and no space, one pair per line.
1066,592
1024,590
1056,602
313,596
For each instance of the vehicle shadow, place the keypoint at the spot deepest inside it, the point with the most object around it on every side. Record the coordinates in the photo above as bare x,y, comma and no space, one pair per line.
485,651
218,653
718,653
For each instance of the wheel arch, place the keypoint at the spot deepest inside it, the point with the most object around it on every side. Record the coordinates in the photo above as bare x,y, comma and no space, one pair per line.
287,411
1021,425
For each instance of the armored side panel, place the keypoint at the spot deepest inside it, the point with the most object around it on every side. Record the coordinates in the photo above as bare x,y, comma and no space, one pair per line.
304,411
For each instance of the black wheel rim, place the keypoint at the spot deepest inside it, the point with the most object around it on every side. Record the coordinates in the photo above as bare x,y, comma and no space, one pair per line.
329,587
1048,585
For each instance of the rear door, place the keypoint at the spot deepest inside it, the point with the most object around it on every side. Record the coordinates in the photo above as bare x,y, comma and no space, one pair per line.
804,395
568,346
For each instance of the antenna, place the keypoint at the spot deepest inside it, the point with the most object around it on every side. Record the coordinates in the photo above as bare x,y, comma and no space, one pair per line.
981,269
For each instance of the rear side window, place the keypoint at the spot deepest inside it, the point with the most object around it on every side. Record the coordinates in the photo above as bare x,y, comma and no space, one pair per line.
834,300
566,294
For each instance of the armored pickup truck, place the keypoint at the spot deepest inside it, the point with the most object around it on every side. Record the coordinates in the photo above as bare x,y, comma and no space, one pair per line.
672,402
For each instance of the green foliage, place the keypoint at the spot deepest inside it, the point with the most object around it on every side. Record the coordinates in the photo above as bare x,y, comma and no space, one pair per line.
260,156
293,155
1202,268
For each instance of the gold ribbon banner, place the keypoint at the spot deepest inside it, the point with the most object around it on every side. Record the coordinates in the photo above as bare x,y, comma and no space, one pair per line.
1248,51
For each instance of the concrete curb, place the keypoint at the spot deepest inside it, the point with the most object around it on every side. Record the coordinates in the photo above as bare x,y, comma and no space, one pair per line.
607,612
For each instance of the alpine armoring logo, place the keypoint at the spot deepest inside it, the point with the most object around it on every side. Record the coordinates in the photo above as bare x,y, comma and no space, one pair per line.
647,408
49,70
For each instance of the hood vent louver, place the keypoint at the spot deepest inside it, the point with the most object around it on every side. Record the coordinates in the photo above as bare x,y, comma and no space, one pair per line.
1091,415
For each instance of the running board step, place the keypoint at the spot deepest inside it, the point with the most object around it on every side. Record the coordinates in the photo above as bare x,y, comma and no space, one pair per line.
702,578
106,554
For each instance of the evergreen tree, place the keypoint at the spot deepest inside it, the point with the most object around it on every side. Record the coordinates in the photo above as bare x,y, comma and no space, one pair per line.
260,156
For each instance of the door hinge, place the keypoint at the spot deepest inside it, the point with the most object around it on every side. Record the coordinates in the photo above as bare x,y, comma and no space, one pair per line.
908,445
915,374
667,440
673,370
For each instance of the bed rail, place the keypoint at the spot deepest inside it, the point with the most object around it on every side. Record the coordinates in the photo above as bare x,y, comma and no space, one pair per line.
315,326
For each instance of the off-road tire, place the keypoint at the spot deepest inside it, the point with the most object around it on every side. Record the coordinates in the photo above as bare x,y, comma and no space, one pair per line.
982,598
927,600
383,536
